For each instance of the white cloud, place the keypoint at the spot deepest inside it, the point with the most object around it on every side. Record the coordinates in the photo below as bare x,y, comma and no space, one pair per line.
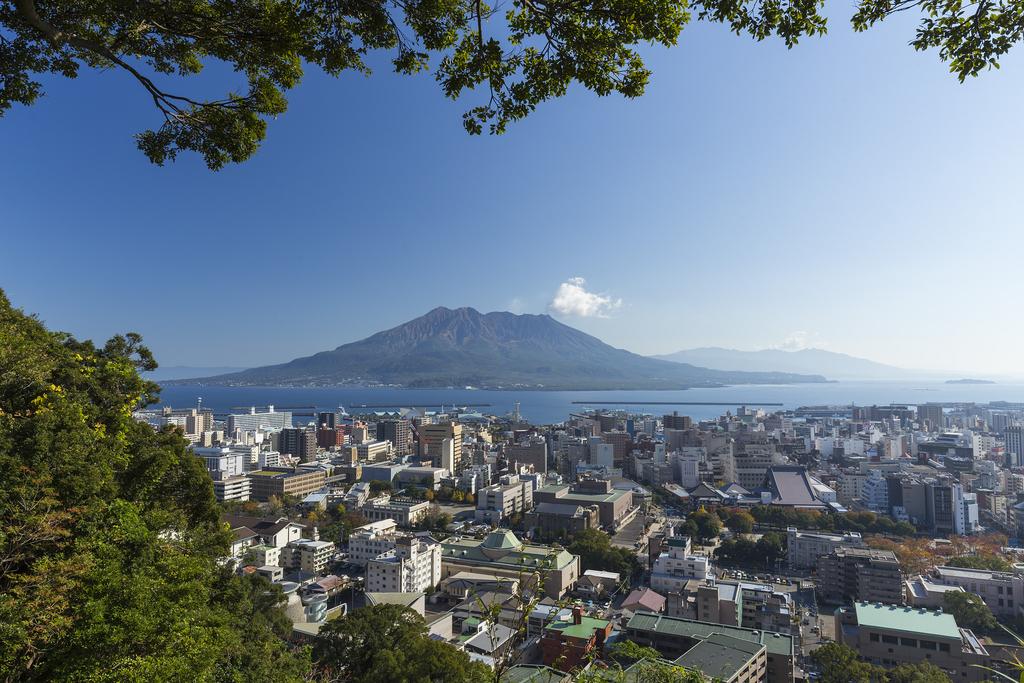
800,340
517,305
572,298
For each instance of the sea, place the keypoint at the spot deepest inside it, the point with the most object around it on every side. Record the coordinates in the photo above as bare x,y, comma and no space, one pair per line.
551,407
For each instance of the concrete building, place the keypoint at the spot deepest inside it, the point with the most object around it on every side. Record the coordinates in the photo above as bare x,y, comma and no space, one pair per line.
423,477
532,452
232,488
432,436
859,575
307,555
298,442
921,591
805,547
502,554
554,519
374,451
890,635
673,569
613,504
1003,592
263,421
496,503
371,540
674,637
284,481
398,432
740,603
412,566
404,511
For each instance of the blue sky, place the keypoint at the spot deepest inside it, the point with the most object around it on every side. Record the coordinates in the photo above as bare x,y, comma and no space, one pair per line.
849,194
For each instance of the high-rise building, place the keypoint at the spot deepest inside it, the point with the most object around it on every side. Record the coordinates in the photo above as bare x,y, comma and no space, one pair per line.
860,574
299,443
1014,446
398,433
931,414
413,566
432,436
677,421
327,419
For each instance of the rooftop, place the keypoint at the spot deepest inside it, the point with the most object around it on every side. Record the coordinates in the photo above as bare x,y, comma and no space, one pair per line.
581,631
776,643
907,620
719,655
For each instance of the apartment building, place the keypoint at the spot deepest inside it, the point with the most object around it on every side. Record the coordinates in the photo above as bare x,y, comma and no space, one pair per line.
674,568
412,566
298,442
398,432
371,540
432,437
850,574
264,421
890,635
750,605
307,555
805,547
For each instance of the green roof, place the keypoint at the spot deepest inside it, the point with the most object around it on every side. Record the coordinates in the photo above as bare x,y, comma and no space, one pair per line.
776,643
720,656
910,620
502,538
532,673
582,631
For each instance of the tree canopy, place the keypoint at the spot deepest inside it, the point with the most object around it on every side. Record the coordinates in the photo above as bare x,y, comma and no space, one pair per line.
839,664
109,531
970,611
389,644
597,552
509,57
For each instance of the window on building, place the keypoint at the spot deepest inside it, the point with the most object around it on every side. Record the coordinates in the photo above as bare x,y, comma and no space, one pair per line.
929,645
943,647
908,642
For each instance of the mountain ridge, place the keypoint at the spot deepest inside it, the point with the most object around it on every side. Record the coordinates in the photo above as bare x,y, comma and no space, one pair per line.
463,347
812,360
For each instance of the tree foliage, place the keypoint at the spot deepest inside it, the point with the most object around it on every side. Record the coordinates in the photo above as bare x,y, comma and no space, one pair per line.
970,611
988,561
764,552
702,525
109,531
839,664
510,57
389,644
597,552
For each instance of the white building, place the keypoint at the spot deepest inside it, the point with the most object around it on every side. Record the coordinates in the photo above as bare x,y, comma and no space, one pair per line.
413,566
371,540
232,488
496,503
674,568
307,555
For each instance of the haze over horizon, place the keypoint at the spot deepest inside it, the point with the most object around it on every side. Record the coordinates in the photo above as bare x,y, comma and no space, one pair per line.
754,198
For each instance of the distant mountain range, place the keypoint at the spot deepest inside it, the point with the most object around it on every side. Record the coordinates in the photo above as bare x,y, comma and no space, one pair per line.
183,371
464,347
814,361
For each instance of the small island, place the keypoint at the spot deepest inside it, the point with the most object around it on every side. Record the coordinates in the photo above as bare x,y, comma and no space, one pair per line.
969,381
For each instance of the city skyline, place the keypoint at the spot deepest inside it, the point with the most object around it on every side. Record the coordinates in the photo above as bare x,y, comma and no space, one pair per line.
830,196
